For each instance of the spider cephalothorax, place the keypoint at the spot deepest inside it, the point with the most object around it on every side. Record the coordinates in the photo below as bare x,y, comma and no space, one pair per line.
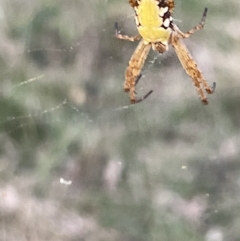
156,29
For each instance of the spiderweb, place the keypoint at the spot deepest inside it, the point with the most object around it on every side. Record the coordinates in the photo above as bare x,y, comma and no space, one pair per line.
78,162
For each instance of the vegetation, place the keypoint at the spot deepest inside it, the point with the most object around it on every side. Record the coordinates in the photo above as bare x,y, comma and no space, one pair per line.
165,169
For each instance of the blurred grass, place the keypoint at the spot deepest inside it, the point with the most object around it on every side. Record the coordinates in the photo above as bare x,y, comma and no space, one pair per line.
166,169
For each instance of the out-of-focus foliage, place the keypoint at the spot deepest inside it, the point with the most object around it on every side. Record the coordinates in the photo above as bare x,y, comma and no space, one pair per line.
165,169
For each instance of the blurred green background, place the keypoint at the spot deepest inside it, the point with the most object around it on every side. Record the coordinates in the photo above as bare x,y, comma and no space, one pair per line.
165,169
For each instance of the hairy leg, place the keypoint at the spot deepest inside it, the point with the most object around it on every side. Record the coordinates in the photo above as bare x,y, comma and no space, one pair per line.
193,30
191,68
125,37
134,68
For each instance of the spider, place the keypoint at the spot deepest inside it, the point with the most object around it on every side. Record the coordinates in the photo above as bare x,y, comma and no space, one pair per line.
157,31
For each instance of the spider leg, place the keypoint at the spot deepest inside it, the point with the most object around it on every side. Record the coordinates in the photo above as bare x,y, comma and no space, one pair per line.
138,78
207,88
133,71
134,3
171,5
146,95
214,86
193,30
125,37
191,68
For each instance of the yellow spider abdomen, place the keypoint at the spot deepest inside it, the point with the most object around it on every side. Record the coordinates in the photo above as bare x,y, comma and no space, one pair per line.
149,20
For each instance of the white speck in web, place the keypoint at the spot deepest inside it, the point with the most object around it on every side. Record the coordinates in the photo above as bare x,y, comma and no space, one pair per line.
123,107
184,167
64,182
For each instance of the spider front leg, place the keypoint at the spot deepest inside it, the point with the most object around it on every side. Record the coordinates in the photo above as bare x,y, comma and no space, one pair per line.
193,30
125,37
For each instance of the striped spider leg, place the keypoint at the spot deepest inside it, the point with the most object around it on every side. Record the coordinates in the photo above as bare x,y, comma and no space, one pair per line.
136,63
187,60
